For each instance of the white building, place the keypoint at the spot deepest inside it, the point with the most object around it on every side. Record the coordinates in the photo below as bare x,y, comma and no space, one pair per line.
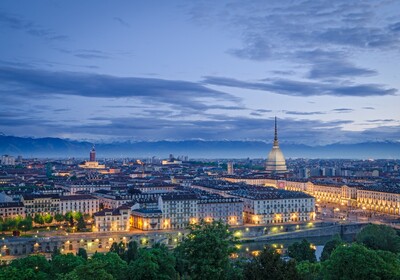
226,209
178,210
11,210
86,204
112,219
264,205
7,160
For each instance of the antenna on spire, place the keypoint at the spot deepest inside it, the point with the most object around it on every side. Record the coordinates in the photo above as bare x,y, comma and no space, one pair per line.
276,133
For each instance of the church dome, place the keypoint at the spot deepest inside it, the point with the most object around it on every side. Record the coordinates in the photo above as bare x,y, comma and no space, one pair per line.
276,162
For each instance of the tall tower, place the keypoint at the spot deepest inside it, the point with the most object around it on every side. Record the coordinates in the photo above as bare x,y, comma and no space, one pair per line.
92,156
276,163
230,168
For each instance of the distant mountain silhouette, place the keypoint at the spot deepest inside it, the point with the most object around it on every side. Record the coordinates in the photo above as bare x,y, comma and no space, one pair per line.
63,148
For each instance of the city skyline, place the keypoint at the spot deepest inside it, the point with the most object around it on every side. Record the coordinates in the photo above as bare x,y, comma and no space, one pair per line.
204,70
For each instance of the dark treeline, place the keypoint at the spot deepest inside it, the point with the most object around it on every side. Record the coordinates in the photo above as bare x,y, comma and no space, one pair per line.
208,252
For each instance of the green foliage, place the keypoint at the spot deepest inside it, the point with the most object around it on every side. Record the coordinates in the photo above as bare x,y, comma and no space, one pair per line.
112,264
13,273
379,237
82,253
309,271
35,263
118,248
132,251
302,251
25,224
89,271
17,223
38,219
329,247
63,264
153,264
204,252
59,218
81,225
48,219
269,265
357,262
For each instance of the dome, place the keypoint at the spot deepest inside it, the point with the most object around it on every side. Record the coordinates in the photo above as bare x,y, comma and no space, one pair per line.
276,162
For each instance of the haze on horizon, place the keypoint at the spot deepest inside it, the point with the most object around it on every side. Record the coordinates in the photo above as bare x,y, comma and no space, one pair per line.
136,70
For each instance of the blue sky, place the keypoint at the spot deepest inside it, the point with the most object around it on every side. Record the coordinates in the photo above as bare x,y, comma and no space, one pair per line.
213,70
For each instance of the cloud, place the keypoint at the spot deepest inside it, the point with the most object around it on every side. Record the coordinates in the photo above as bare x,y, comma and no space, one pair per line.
256,48
304,113
343,110
121,22
86,53
32,83
381,120
29,27
300,88
338,69
263,110
368,108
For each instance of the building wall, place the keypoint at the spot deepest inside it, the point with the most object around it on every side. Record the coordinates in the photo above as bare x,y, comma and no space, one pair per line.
278,210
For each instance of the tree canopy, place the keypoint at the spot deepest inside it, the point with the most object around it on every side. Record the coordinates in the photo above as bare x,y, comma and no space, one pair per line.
379,237
356,262
302,251
204,252
269,265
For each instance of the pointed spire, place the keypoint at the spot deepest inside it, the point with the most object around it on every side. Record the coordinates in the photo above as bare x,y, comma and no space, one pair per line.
276,134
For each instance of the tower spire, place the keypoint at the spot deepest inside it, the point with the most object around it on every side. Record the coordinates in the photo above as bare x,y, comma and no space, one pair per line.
276,134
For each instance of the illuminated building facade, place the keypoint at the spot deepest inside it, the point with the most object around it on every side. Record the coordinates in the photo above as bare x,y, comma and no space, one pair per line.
86,204
11,210
178,210
227,209
108,220
263,205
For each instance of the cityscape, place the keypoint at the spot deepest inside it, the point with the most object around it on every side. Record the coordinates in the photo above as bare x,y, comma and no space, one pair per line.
199,140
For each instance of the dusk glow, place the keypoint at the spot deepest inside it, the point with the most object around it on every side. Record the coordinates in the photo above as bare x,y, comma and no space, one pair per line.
212,70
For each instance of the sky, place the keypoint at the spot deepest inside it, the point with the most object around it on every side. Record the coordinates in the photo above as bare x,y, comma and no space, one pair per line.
213,70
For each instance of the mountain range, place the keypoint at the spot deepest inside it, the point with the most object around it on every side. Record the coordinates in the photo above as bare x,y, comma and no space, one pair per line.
65,148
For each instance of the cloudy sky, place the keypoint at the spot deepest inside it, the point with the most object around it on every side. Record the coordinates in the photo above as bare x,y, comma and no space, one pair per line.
152,70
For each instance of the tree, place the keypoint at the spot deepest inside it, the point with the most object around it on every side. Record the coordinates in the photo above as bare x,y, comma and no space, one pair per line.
77,215
132,251
65,263
154,263
204,252
56,252
82,253
34,262
25,224
302,251
118,248
13,273
379,237
269,265
89,271
59,218
38,219
309,271
357,262
329,247
81,225
112,264
48,219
